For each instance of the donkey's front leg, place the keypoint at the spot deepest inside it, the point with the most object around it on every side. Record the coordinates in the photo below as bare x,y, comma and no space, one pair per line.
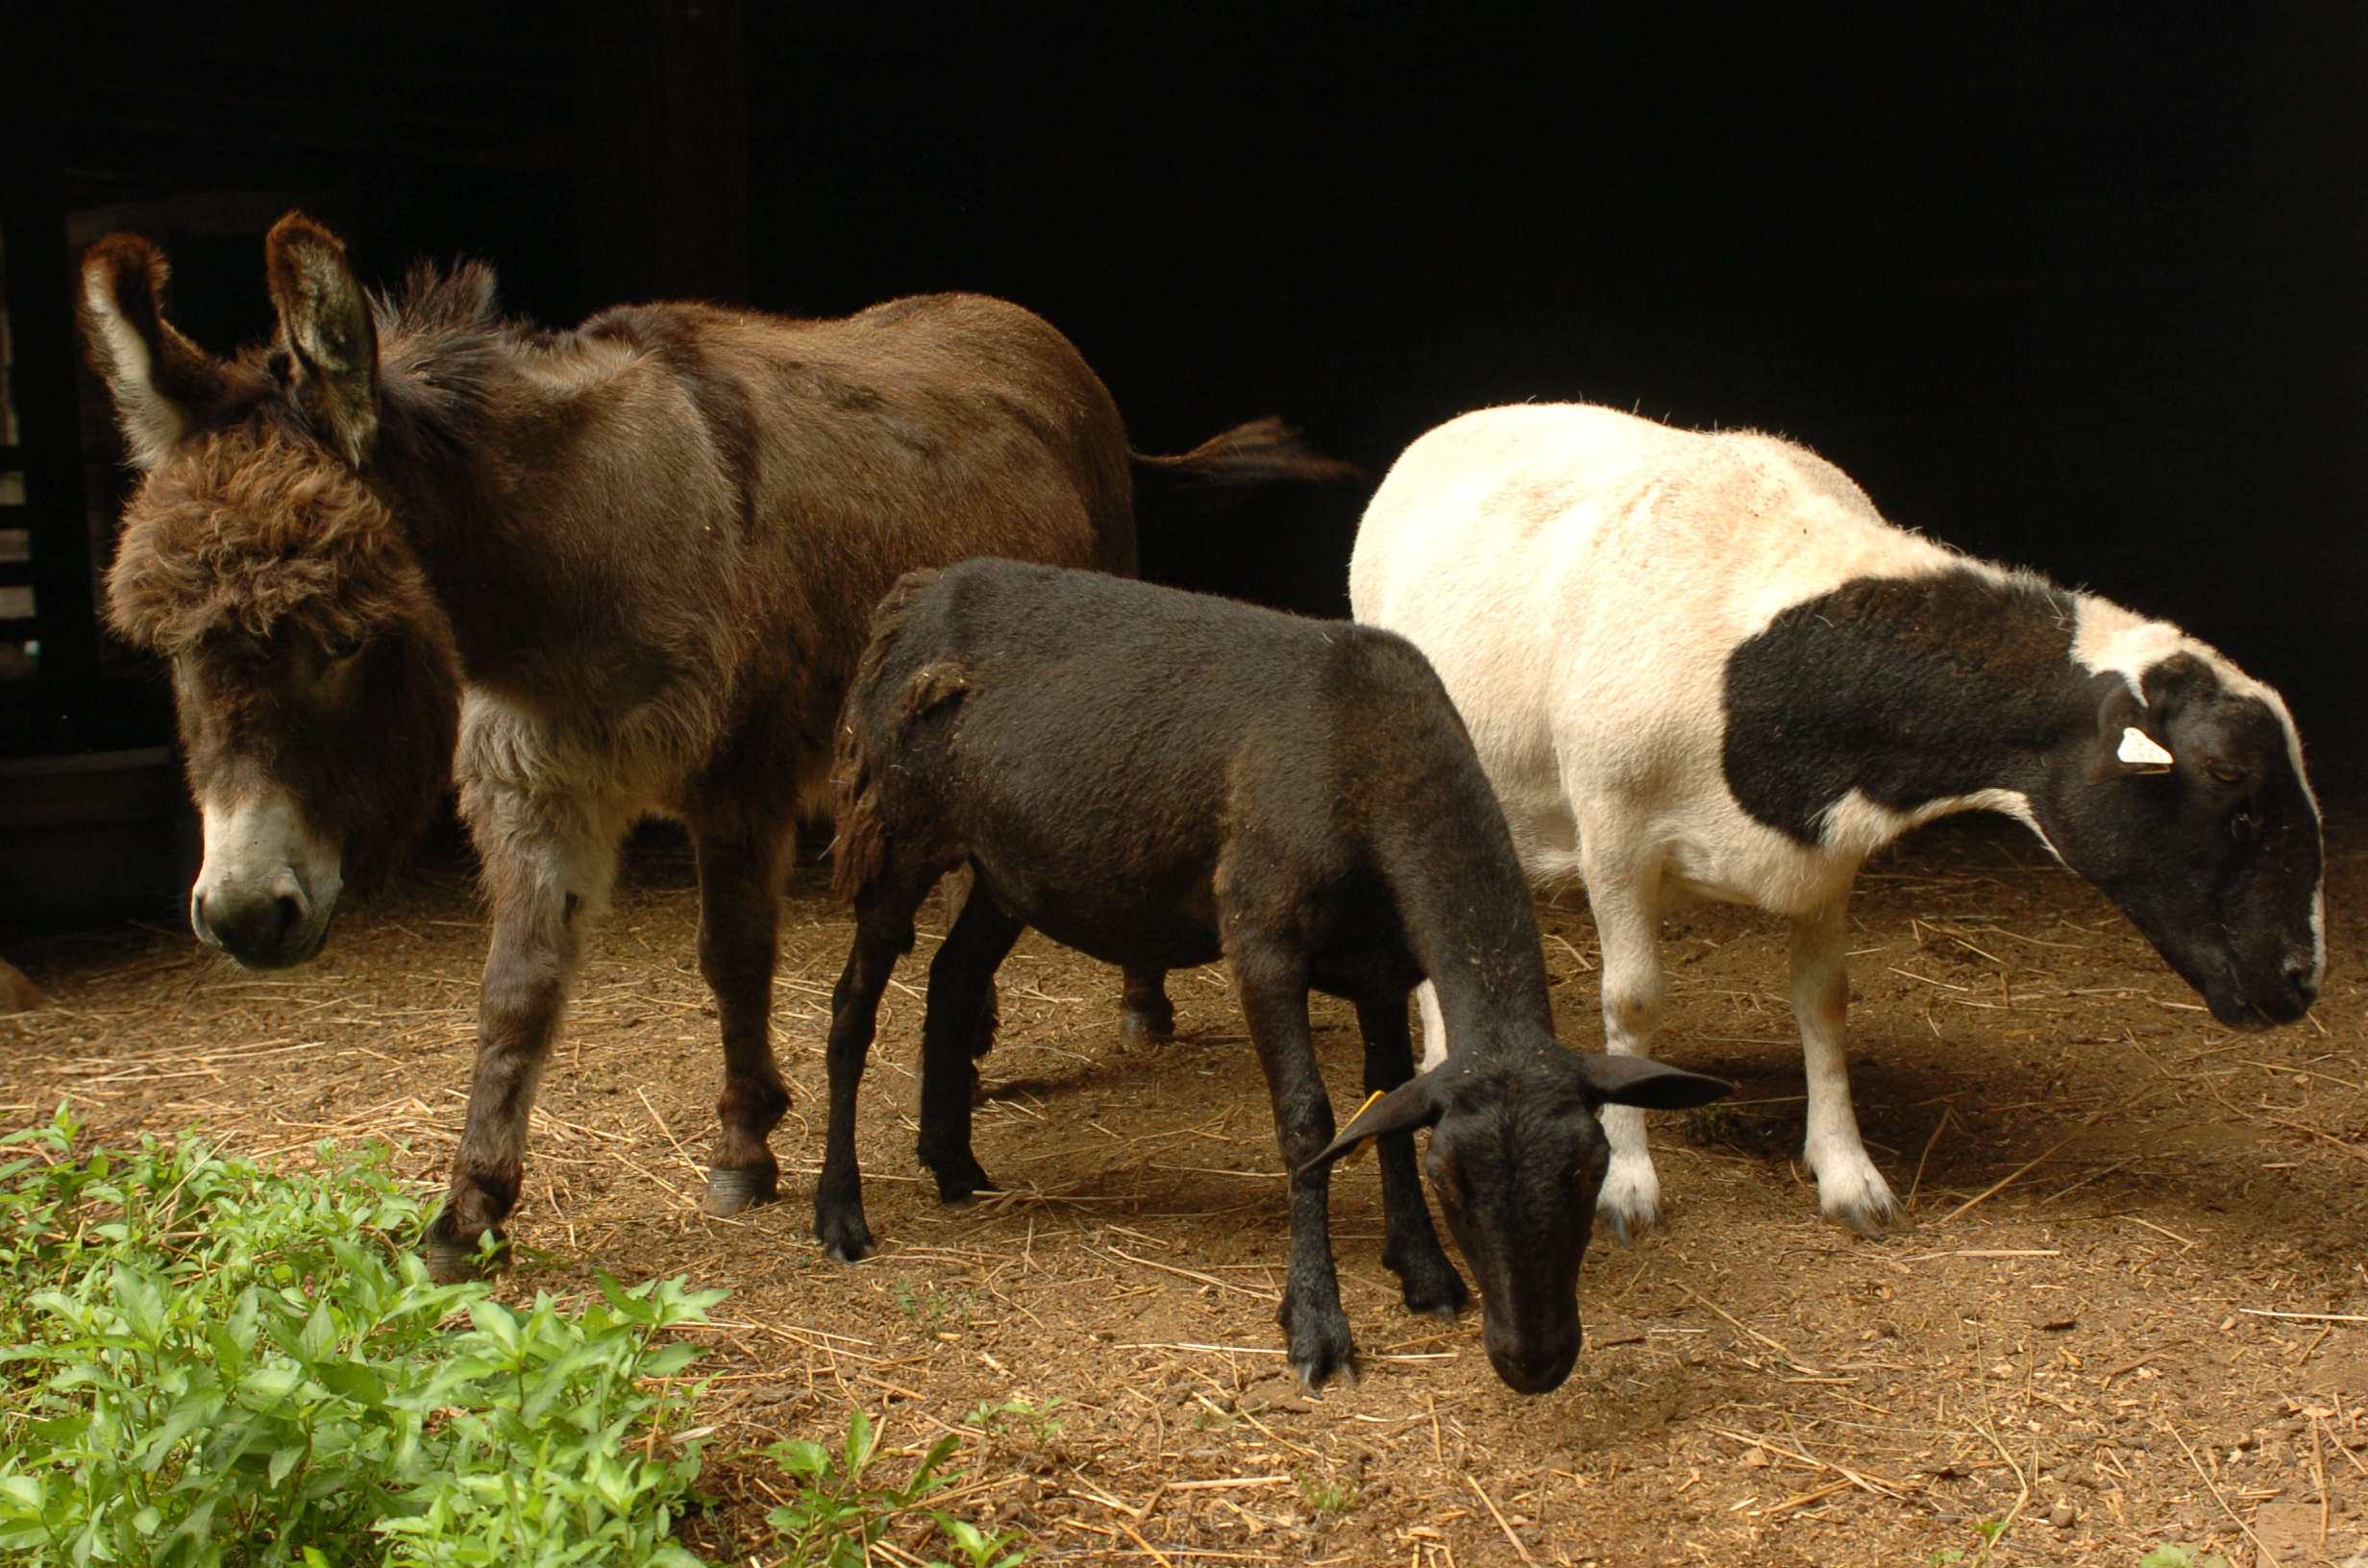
739,911
1273,993
543,896
1410,1247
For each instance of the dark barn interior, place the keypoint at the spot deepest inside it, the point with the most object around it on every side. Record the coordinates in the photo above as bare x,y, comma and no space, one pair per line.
2077,286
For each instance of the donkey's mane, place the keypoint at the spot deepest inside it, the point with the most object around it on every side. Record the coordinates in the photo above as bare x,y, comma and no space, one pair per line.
442,341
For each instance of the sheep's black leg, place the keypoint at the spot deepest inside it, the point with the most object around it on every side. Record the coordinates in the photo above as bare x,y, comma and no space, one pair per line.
883,930
961,996
1410,1248
1145,1013
956,889
1273,993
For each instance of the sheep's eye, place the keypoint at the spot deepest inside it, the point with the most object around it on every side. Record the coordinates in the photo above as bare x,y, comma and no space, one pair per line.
339,652
2224,773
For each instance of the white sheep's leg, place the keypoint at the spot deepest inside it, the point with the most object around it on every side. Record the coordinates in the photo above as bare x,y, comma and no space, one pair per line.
1627,905
1434,1026
1849,1186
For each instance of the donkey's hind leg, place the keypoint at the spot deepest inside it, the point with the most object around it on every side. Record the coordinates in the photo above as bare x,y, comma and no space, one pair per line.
549,864
1145,1013
740,871
961,991
1410,1247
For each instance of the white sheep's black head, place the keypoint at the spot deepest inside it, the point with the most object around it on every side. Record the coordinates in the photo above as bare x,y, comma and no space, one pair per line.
1516,1157
2190,811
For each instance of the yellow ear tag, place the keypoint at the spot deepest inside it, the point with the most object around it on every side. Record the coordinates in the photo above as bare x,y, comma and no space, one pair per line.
1357,1153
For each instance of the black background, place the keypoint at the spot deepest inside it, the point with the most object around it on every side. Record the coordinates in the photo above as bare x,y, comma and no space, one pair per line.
2081,287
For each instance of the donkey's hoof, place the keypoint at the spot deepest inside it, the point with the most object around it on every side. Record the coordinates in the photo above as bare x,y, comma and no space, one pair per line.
729,1191
455,1262
1139,1028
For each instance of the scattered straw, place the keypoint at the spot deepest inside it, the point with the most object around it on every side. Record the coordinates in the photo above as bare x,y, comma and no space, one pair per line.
2001,1184
1500,1517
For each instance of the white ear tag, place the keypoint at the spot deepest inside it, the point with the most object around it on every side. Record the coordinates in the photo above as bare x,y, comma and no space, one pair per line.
2142,752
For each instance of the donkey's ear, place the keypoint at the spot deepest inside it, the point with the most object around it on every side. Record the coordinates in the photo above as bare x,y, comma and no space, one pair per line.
1640,1081
1414,1103
325,319
160,379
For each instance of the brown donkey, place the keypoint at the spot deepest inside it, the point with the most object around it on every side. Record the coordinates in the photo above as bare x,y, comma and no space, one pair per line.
593,575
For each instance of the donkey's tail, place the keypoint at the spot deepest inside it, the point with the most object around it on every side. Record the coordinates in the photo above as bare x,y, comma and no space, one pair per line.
1256,494
1262,452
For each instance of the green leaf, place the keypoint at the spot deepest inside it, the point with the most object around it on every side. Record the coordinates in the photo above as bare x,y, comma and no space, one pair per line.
141,1304
352,1380
859,1444
320,1335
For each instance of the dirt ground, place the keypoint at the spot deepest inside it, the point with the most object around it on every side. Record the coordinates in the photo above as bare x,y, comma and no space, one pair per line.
2090,1353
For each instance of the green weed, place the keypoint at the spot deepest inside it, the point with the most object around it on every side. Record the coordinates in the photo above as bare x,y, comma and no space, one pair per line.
1711,1124
1037,1420
206,1365
840,1508
1329,1499
2181,1554
933,1308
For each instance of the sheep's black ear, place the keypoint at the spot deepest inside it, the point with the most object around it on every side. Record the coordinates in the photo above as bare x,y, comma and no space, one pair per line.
1640,1081
159,379
325,321
1414,1103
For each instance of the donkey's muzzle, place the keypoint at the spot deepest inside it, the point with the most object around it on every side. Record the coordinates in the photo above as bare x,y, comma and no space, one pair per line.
266,925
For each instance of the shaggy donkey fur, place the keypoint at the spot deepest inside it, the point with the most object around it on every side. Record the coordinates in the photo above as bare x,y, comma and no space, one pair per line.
637,559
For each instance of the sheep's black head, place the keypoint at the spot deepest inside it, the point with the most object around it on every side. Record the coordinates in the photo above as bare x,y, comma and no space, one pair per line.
2190,809
1517,1158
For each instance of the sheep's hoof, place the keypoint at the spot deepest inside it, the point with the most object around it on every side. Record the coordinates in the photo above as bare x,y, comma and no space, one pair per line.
1443,1298
1317,1366
1321,1346
1628,1205
731,1190
1876,1219
846,1237
960,1178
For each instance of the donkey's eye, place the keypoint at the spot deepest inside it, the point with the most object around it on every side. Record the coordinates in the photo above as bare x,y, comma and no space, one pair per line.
2225,773
339,652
